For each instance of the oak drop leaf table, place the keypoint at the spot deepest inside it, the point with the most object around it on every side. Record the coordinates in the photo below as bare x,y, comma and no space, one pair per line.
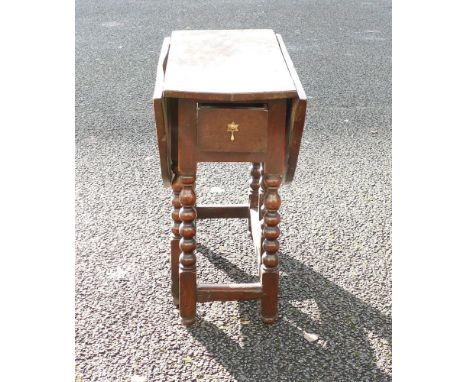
227,96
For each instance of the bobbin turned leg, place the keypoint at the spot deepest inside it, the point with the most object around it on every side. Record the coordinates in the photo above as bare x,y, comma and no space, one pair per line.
187,267
262,191
272,170
254,186
270,246
261,211
175,249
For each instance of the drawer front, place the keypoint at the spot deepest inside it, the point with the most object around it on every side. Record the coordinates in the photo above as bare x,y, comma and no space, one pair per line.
232,129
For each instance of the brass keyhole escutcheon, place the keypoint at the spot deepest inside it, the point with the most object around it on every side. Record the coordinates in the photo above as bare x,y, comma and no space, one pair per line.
231,128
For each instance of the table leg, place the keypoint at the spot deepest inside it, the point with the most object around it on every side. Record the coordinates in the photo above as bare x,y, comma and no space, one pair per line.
270,245
254,186
261,211
175,249
187,267
261,192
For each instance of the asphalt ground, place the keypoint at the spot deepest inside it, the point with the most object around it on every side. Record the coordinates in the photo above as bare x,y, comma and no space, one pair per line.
335,257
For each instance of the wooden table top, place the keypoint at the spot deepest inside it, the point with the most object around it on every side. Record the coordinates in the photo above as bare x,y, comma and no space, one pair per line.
227,65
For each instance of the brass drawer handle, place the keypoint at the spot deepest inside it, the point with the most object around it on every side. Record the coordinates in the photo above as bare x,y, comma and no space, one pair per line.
231,128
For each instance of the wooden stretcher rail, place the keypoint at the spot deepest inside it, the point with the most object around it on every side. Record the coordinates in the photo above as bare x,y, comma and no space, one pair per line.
228,292
218,211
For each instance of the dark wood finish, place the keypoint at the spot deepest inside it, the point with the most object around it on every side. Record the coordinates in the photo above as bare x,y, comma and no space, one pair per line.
261,193
164,105
296,121
253,192
261,212
175,239
228,292
227,65
273,170
206,156
250,135
218,211
270,246
254,184
187,266
227,96
187,168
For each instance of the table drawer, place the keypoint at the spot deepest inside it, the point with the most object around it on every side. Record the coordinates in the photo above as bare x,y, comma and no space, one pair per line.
232,127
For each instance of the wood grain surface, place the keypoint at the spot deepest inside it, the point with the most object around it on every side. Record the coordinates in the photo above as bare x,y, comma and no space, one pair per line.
227,65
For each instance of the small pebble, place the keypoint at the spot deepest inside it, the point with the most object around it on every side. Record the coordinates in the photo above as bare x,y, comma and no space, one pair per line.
311,337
